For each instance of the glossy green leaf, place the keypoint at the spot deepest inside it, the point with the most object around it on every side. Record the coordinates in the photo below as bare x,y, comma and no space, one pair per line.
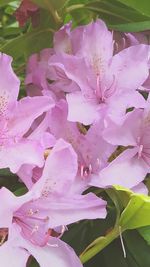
145,233
137,212
115,13
137,249
131,27
142,6
28,43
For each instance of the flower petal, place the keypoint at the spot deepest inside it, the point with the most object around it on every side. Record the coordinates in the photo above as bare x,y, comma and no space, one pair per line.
59,171
140,189
9,83
123,67
80,109
126,170
26,111
17,257
26,152
12,203
71,209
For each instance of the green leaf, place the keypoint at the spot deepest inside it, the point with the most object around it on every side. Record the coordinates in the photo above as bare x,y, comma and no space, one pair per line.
9,180
32,262
32,41
131,27
28,43
142,6
48,4
6,173
5,2
110,256
21,191
145,233
137,249
115,13
137,212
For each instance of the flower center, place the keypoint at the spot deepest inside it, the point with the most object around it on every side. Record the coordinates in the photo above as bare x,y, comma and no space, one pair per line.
101,92
33,226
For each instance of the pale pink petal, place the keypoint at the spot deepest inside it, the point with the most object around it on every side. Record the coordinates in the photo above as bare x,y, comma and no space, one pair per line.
126,170
140,189
120,103
127,133
68,68
97,46
11,256
10,204
9,83
123,67
74,208
80,109
62,40
23,152
25,174
59,171
56,253
26,111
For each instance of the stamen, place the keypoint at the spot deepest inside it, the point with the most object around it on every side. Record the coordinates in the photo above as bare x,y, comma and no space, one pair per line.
52,245
35,229
82,171
90,168
46,153
98,89
140,151
98,161
122,243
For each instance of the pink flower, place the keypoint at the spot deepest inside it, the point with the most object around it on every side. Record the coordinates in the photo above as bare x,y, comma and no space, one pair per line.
40,215
16,117
17,251
132,165
100,76
37,71
124,40
91,148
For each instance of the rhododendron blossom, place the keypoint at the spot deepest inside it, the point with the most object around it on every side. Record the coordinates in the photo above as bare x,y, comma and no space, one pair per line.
131,166
16,117
78,144
42,213
100,76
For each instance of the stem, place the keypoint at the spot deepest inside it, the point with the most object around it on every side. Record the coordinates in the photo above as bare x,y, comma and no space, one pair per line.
74,7
53,12
98,245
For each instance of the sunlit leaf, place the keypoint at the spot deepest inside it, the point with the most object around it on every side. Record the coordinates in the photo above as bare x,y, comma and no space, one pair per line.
137,212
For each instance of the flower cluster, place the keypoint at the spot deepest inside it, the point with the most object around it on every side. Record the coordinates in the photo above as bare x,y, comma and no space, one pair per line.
84,123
